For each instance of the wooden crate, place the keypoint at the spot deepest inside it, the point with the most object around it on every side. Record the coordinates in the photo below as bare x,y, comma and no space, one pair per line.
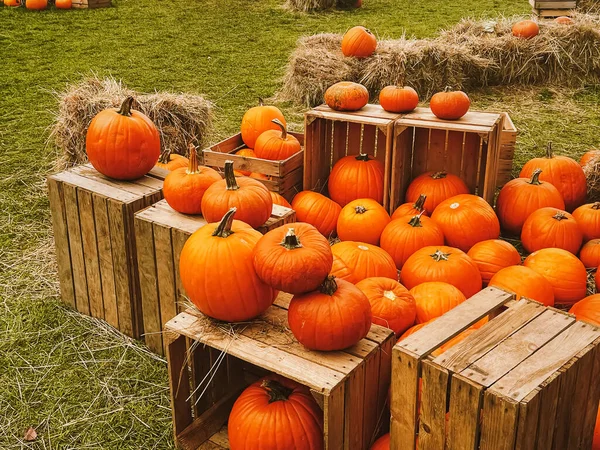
527,380
286,175
160,234
331,135
84,4
508,141
351,386
468,147
553,8
92,218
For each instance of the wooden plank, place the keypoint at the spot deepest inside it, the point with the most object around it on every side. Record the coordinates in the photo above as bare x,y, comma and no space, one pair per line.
403,407
349,117
333,418
453,126
420,151
478,118
134,276
139,190
370,391
354,409
368,140
454,152
220,438
354,145
465,405
529,412
369,110
553,5
549,405
471,158
179,385
165,272
500,419
401,165
179,239
593,399
200,368
436,153
432,419
385,378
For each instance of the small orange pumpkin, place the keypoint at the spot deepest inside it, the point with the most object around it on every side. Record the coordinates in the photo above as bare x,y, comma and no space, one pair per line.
588,219
590,254
276,146
354,177
246,153
346,96
362,220
551,228
358,42
383,443
318,210
411,209
588,309
564,20
588,156
414,329
259,119
437,187
280,200
435,298
524,282
259,176
492,256
398,99
365,260
12,2
172,161
37,5
63,4
450,105
452,342
526,29
340,270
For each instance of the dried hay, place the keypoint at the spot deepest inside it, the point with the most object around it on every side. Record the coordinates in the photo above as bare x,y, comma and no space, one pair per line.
592,175
180,118
318,5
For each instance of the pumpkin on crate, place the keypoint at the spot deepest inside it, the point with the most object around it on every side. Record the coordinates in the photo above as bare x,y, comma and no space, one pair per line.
217,273
250,197
588,309
354,177
280,200
275,145
398,99
346,96
551,228
437,187
493,255
383,443
294,258
365,260
588,156
172,161
524,282
358,42
318,210
340,270
259,119
435,298
122,144
449,104
465,220
184,188
276,400
590,254
248,153
334,317
362,220
392,306
411,208
525,29
588,219
442,263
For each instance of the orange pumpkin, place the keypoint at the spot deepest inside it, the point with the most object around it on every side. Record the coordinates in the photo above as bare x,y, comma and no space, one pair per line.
596,441
362,220
335,317
340,270
123,144
276,400
12,2
184,188
37,5
441,263
588,219
465,220
259,176
392,306
450,105
564,173
383,443
63,4
564,20
435,298
279,200
411,209
354,177
590,254
588,156
246,153
398,99
526,29
249,196
359,43
455,340
216,270
551,228
316,209
346,96
563,270
492,256
588,309
172,161
276,146
365,260
437,187
259,119
404,236
524,282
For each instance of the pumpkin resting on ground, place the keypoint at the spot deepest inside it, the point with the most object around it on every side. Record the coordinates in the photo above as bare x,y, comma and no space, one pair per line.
588,219
588,309
346,96
318,210
590,254
437,187
435,298
365,260
588,156
355,177
362,220
275,145
524,282
259,119
358,42
551,228
492,256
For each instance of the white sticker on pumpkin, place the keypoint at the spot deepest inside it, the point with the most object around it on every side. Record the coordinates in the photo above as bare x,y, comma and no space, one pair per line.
362,247
454,205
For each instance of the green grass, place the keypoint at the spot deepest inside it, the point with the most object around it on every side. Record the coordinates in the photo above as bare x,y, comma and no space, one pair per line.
79,384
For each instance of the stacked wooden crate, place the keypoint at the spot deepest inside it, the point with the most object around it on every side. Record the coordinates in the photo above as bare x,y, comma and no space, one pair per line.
553,8
84,4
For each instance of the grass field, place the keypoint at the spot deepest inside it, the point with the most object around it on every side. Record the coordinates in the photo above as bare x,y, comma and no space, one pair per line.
80,384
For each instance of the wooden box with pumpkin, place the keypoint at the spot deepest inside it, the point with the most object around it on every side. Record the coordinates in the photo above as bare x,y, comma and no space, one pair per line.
525,380
469,147
553,8
350,386
160,233
508,141
92,219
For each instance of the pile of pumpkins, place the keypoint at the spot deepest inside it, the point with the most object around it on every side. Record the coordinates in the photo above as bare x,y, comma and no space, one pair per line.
38,5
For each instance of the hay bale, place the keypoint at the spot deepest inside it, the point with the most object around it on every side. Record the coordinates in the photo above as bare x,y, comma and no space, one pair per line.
592,176
180,118
318,5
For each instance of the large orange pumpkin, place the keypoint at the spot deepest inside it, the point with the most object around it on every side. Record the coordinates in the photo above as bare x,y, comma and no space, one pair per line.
335,317
590,254
404,236
588,156
123,144
450,105
522,196
437,186
172,161
441,263
551,228
526,29
435,298
37,5
411,208
354,177
275,145
316,209
280,200
217,273
564,173
588,219
492,256
340,270
398,99
346,96
362,220
383,443
588,309
358,42
275,400
365,260
392,306
563,270
465,220
524,282
294,258
259,119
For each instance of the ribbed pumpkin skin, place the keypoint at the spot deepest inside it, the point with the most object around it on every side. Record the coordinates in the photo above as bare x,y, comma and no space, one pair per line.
340,270
435,298
563,270
276,145
521,197
551,228
410,209
466,220
392,306
365,260
362,220
37,5
450,105
356,177
257,120
438,186
588,156
398,99
524,282
63,4
175,162
442,263
404,236
299,420
492,256
590,254
279,200
358,42
293,264
318,210
383,443
346,96
588,309
588,219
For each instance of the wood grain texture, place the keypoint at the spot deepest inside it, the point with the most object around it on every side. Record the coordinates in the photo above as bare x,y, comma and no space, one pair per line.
403,407
499,426
432,420
465,404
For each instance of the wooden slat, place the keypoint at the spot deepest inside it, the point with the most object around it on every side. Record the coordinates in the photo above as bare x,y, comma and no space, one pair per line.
220,438
95,186
385,378
333,418
420,150
354,409
500,418
465,405
179,384
401,165
139,190
529,412
370,392
200,367
369,110
471,161
179,239
480,118
165,271
593,399
436,154
403,408
432,419
467,128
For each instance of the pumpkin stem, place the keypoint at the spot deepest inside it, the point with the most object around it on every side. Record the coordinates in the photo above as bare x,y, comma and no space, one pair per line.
560,216
549,152
282,126
596,205
440,256
291,241
329,286
126,107
448,89
230,177
165,157
535,177
277,391
224,228
193,165
438,175
419,205
261,101
416,220
362,157
360,209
